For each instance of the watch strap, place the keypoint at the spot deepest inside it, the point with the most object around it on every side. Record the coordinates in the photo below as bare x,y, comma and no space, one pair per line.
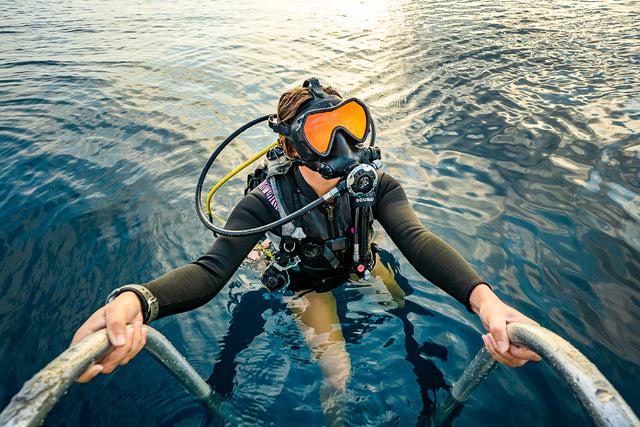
150,306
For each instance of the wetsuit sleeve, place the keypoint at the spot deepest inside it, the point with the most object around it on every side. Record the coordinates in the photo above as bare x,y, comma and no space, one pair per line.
193,285
434,259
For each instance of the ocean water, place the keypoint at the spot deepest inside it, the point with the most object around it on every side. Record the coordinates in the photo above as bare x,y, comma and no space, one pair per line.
513,127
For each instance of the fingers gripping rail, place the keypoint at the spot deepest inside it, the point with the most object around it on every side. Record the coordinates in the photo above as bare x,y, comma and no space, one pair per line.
38,395
601,400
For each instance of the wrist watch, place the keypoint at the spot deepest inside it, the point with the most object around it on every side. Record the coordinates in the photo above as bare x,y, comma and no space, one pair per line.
150,306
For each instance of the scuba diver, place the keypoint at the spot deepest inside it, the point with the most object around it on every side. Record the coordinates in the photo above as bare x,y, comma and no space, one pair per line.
315,201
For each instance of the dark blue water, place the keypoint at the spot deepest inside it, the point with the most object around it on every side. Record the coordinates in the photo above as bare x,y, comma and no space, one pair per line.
514,128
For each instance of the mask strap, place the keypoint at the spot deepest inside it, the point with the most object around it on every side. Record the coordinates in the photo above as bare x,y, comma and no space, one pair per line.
278,126
315,86
283,129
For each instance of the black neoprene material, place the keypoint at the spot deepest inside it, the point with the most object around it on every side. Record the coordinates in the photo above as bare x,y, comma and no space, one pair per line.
193,285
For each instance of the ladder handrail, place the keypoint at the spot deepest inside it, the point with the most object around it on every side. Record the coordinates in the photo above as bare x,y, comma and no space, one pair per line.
601,400
39,394
597,395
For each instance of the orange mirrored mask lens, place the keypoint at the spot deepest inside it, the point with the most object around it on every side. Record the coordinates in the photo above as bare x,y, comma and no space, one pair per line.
319,127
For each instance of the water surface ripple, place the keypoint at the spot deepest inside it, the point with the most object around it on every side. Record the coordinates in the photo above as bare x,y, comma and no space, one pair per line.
513,127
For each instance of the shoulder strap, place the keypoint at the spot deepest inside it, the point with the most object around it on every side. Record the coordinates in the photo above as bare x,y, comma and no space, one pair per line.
276,162
289,229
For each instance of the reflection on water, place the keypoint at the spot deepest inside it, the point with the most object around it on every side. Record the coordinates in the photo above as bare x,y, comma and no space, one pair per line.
513,128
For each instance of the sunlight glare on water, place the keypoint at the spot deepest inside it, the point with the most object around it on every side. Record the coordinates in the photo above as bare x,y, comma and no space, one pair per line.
513,128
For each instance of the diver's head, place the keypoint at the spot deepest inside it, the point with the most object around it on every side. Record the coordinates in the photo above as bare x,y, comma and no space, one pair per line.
321,130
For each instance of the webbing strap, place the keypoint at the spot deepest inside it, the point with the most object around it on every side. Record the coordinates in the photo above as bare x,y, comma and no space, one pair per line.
288,228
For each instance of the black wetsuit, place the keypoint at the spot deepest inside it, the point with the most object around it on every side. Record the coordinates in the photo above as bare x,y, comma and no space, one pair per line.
192,286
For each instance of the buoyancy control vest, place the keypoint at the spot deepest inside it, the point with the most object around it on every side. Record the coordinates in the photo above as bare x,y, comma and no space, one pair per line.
321,242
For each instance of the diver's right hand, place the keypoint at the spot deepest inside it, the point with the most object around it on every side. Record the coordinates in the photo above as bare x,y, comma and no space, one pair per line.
128,341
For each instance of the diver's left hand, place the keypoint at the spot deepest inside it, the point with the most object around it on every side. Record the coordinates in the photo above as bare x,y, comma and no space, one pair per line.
495,316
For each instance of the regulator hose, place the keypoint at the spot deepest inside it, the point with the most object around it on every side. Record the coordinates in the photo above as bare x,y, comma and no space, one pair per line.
258,230
263,229
372,152
207,166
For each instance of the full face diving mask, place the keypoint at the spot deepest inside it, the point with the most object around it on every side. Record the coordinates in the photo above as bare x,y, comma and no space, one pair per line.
328,133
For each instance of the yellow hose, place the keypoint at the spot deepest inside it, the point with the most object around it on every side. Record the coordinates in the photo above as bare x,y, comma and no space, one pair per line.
231,175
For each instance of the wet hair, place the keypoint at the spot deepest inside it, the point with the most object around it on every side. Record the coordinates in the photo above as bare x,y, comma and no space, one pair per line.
290,103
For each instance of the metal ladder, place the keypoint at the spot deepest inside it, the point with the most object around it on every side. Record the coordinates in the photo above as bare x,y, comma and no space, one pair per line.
38,395
600,399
